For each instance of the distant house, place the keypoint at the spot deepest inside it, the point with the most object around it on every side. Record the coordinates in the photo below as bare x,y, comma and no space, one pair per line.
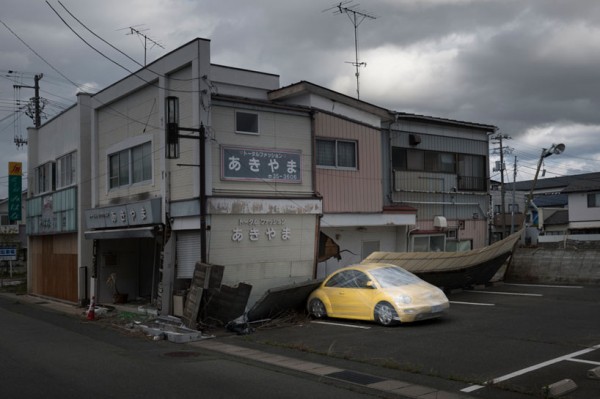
13,238
566,205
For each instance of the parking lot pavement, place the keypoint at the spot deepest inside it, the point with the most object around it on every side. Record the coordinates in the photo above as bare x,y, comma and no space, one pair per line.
507,341
503,341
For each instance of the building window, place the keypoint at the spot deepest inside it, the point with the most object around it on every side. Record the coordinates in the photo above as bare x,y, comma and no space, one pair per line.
44,178
419,160
471,172
593,200
513,208
336,153
132,165
66,173
246,122
429,243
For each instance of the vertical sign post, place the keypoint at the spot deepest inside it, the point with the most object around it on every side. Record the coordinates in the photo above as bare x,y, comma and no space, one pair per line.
15,171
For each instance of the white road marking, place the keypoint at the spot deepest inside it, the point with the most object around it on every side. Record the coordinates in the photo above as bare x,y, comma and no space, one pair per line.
584,361
472,388
504,293
341,325
544,285
533,368
472,303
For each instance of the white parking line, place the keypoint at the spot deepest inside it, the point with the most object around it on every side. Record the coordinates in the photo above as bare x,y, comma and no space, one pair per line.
504,293
584,361
532,368
472,303
341,325
544,285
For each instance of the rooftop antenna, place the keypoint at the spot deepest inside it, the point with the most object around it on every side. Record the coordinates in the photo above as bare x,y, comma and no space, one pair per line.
356,17
134,31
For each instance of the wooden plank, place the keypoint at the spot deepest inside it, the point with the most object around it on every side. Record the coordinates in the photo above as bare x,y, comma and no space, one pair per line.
192,307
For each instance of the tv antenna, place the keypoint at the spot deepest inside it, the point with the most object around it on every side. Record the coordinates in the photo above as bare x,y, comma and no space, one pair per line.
134,31
356,17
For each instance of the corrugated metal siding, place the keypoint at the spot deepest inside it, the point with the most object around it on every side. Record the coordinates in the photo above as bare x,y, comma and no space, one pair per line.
431,194
456,144
356,190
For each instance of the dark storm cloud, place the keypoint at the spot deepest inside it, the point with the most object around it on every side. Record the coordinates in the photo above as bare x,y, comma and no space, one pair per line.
529,67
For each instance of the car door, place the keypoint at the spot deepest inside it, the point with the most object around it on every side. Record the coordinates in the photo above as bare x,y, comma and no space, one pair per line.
349,294
359,296
336,289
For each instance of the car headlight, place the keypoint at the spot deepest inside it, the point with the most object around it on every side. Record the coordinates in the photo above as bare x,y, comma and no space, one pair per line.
403,300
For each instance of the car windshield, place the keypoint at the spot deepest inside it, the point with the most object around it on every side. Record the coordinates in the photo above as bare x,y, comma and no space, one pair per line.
392,276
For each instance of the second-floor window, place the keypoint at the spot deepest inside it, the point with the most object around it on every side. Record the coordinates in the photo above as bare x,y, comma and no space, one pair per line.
336,153
66,170
246,122
470,169
44,178
129,166
593,200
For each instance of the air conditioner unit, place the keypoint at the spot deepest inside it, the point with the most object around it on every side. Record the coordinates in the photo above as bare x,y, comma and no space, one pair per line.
440,222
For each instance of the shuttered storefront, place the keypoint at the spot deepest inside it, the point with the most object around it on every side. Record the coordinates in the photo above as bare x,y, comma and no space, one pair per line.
188,252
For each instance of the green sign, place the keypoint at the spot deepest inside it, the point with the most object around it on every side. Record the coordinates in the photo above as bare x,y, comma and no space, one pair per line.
14,191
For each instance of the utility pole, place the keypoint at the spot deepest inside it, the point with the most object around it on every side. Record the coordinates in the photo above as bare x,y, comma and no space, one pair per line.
37,115
512,212
356,17
37,118
36,90
499,137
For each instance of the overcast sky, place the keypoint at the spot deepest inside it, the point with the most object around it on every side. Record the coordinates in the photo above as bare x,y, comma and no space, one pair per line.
529,67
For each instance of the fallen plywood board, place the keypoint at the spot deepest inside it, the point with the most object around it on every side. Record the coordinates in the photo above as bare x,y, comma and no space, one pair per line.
277,300
226,303
205,277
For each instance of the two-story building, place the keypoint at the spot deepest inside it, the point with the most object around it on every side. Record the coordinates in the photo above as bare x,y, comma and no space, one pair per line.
59,182
239,193
441,168
349,176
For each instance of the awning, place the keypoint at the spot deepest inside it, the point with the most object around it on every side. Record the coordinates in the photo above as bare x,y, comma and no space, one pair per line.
133,232
592,224
368,219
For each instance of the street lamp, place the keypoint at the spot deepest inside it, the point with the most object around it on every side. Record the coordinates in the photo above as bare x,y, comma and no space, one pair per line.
555,149
172,151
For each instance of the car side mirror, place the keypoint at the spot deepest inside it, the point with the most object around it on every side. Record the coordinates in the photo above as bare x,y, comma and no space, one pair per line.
371,284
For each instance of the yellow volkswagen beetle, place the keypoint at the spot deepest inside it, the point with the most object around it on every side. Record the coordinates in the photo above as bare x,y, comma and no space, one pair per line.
377,292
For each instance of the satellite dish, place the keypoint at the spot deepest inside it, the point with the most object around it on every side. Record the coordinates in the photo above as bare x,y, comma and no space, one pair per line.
558,148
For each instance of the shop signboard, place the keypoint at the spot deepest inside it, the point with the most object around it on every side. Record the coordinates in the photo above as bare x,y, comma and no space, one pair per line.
15,171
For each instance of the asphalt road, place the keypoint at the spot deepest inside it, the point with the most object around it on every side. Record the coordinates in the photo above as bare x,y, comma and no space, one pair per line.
45,354
501,342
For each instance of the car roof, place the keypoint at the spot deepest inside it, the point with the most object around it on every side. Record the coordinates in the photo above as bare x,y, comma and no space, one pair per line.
367,266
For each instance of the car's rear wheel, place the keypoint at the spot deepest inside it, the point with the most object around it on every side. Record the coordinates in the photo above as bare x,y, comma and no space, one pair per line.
385,314
317,309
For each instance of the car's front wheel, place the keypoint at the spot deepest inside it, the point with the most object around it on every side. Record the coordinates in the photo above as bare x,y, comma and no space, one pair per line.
385,314
317,309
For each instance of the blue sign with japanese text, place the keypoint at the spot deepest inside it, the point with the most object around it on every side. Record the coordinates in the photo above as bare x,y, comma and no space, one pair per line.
254,164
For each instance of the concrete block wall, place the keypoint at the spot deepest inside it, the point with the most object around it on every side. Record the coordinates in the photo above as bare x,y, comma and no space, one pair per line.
555,266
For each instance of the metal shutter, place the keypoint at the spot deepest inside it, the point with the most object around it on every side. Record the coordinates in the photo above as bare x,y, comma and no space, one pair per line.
188,253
